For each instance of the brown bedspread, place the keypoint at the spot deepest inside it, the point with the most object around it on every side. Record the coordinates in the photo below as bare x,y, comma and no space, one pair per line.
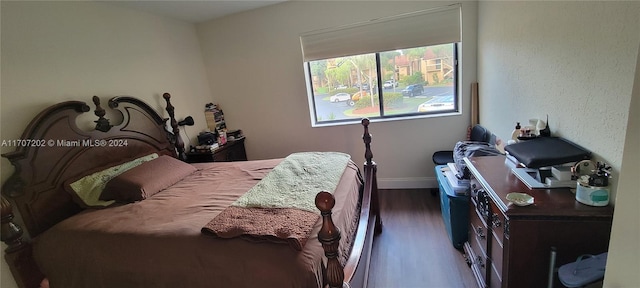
293,225
158,242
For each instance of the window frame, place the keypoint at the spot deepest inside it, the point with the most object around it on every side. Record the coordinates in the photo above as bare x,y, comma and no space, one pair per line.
457,109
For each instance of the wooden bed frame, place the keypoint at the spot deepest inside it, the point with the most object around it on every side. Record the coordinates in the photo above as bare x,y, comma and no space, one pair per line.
54,149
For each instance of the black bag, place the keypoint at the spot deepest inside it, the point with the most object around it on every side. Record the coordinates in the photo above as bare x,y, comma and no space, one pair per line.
207,138
468,149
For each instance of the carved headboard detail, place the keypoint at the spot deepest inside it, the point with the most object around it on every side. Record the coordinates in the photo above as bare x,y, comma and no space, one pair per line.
58,150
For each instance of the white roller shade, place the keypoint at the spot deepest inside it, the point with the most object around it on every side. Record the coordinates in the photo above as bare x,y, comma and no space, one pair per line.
422,28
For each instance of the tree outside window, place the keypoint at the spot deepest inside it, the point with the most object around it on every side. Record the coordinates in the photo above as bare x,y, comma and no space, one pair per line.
401,83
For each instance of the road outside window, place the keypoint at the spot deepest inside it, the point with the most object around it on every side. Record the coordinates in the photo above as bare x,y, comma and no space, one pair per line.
415,82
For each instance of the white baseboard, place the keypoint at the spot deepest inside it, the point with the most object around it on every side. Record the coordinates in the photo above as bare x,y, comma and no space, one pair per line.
408,183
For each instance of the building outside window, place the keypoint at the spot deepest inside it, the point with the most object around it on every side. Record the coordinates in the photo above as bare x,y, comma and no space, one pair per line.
392,74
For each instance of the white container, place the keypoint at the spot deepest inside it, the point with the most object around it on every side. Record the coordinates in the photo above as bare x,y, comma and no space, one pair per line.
591,195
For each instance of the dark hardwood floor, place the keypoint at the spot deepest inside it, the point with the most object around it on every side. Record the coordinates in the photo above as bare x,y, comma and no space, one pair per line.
414,250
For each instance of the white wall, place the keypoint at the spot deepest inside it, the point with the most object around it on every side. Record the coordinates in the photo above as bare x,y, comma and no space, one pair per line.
255,69
575,61
57,51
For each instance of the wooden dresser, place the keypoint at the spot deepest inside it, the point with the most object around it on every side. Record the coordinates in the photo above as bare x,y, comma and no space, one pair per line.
509,245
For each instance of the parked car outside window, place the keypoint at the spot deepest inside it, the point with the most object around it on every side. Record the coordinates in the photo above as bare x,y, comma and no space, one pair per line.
340,97
413,90
389,84
438,103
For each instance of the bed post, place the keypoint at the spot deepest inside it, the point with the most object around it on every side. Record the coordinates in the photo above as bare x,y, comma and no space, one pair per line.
102,124
371,167
329,236
174,125
18,253
356,270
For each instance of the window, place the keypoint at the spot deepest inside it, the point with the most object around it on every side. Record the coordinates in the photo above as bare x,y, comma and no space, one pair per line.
403,66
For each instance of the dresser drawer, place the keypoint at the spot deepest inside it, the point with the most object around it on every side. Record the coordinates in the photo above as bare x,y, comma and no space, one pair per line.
477,258
478,230
496,257
497,222
477,241
478,274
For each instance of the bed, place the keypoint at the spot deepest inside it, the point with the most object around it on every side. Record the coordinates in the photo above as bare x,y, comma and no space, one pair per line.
161,225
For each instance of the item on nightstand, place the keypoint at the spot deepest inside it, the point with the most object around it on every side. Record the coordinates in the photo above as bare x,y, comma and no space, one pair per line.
206,138
215,117
206,148
222,137
236,134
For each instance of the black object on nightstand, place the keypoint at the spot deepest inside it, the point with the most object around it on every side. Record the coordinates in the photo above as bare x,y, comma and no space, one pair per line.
231,151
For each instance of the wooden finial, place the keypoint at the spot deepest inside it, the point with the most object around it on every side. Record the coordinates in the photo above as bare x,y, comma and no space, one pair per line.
368,155
179,143
329,236
102,124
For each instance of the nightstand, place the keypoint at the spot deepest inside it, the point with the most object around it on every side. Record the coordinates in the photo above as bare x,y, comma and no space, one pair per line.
231,151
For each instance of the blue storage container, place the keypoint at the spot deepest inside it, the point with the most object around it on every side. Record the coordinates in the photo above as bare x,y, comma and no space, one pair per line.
454,204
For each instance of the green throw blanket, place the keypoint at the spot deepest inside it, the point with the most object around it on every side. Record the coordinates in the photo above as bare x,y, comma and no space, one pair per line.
295,182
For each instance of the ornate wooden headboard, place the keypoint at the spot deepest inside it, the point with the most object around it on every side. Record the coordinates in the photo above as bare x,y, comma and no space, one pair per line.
53,149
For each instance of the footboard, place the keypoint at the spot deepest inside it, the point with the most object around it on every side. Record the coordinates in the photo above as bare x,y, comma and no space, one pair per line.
356,270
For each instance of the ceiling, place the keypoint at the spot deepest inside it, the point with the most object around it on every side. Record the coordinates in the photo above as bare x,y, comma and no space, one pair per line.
194,11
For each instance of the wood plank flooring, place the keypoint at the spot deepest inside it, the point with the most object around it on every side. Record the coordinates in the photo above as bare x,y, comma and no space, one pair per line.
414,249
